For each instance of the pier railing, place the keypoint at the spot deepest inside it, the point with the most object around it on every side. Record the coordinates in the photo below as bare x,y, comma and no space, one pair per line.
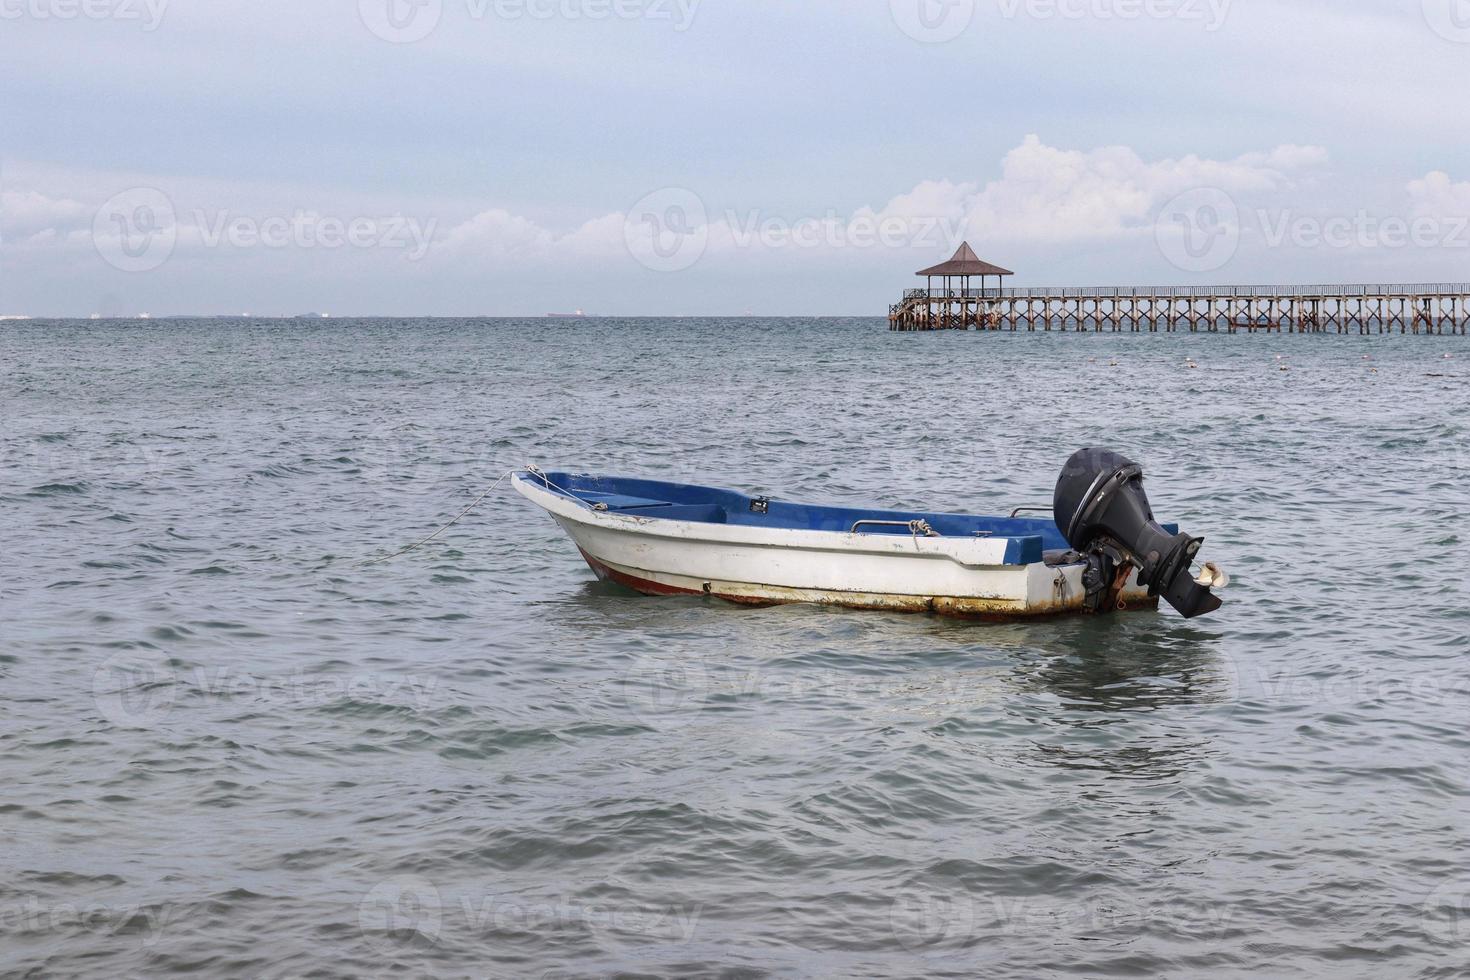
1192,292
1431,308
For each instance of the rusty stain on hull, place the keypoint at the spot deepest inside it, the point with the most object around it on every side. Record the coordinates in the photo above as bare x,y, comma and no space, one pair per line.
967,607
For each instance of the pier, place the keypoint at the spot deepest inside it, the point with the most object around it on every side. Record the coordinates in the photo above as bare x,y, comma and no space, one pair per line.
1426,308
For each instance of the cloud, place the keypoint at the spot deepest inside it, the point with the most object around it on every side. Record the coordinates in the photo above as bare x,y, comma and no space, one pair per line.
1042,199
497,233
1290,157
1045,194
29,215
1435,195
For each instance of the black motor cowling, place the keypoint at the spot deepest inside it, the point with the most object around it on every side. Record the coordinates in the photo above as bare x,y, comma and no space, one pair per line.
1103,513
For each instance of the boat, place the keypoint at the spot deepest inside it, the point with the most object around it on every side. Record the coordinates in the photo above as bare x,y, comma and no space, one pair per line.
1100,552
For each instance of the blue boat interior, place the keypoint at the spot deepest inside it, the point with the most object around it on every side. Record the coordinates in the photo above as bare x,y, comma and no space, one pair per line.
1027,539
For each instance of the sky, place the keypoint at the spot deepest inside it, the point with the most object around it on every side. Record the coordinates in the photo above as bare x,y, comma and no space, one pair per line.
715,157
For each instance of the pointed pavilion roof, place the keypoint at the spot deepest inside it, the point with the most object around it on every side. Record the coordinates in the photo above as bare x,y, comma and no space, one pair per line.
965,263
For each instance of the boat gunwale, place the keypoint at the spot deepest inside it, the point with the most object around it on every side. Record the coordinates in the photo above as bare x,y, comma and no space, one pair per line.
978,552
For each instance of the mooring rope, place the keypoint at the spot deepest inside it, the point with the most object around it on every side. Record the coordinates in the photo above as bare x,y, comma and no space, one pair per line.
462,515
540,475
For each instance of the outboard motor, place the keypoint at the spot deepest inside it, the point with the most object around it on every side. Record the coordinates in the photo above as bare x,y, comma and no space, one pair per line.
1103,513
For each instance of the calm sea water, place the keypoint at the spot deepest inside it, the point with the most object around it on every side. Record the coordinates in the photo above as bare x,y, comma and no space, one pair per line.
228,747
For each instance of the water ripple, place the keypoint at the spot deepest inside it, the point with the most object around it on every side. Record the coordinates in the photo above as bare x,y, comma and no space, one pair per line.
230,748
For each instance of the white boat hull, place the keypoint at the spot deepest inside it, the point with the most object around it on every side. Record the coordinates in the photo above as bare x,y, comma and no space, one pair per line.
752,565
